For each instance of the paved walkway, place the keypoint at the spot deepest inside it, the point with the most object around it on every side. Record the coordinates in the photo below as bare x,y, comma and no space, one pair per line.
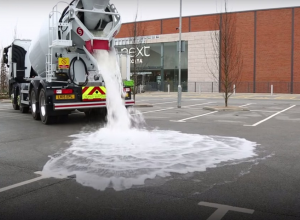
220,95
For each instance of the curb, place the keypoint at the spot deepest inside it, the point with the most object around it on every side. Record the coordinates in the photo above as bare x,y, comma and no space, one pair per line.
225,109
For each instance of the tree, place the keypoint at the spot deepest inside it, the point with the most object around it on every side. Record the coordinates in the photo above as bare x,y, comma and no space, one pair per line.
227,64
137,50
3,74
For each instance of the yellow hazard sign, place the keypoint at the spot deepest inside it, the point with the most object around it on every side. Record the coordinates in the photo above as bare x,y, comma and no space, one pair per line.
63,63
93,93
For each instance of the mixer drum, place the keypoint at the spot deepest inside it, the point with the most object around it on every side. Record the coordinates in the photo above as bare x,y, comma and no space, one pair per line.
91,20
39,46
39,49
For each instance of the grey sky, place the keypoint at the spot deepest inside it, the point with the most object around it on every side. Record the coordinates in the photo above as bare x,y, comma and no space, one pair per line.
29,14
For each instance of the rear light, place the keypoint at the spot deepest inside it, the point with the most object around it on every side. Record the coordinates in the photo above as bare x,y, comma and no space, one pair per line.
63,91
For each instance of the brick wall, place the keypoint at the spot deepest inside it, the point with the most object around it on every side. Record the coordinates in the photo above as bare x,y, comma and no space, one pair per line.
152,27
124,31
145,28
245,35
273,51
204,23
170,25
297,51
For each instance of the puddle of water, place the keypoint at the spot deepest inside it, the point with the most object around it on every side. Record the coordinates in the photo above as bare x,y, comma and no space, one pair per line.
124,154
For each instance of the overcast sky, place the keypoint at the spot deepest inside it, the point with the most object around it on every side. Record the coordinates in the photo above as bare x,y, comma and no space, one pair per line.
28,15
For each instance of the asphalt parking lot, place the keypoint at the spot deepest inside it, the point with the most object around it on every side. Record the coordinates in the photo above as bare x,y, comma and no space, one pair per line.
263,187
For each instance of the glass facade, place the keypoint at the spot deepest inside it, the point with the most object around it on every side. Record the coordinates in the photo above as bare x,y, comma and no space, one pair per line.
157,64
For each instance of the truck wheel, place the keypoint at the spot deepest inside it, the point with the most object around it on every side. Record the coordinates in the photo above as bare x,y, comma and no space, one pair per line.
34,107
45,118
23,109
15,104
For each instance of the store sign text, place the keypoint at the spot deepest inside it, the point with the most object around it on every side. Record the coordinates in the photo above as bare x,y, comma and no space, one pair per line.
137,53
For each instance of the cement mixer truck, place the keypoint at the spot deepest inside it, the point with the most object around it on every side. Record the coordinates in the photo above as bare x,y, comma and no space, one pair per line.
56,73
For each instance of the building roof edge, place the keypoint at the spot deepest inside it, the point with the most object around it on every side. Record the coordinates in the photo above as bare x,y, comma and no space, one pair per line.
190,16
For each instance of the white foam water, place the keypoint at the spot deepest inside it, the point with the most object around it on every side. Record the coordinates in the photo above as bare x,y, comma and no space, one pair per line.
122,154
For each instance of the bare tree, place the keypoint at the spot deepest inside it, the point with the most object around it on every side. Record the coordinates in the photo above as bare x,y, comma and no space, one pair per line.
137,51
3,74
226,67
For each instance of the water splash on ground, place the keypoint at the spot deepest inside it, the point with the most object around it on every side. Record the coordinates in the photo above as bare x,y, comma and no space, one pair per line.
124,153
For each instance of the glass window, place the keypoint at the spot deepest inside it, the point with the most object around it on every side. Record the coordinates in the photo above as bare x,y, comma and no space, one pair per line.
153,69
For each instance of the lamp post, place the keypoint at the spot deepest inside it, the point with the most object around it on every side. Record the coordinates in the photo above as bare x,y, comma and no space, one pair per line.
179,58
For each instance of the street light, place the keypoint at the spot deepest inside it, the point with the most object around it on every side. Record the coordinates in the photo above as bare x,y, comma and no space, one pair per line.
179,58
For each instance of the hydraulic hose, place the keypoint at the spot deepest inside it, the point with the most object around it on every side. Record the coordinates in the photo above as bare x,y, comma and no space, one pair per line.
72,78
65,11
63,15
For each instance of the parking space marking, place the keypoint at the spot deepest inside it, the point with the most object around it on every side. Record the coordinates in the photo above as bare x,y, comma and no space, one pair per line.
165,109
262,111
223,209
277,113
161,103
21,184
159,110
246,105
151,99
197,104
197,116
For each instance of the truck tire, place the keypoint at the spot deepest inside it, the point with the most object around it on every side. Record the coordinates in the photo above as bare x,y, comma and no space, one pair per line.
45,118
15,103
23,109
34,108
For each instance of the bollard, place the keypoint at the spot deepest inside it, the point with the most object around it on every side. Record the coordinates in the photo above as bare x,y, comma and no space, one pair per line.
234,89
168,88
140,89
271,89
199,89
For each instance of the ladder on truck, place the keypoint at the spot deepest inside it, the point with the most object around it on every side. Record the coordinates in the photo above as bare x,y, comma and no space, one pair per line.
54,41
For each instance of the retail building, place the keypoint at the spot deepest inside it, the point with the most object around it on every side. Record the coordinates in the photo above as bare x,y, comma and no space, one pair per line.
270,41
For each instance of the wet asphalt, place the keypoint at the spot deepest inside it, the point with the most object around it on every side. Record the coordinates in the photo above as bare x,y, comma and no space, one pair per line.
265,186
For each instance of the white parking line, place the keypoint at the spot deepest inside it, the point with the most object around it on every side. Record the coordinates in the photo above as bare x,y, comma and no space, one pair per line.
271,116
159,110
144,100
161,103
246,105
21,184
223,209
197,116
165,109
198,104
262,111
